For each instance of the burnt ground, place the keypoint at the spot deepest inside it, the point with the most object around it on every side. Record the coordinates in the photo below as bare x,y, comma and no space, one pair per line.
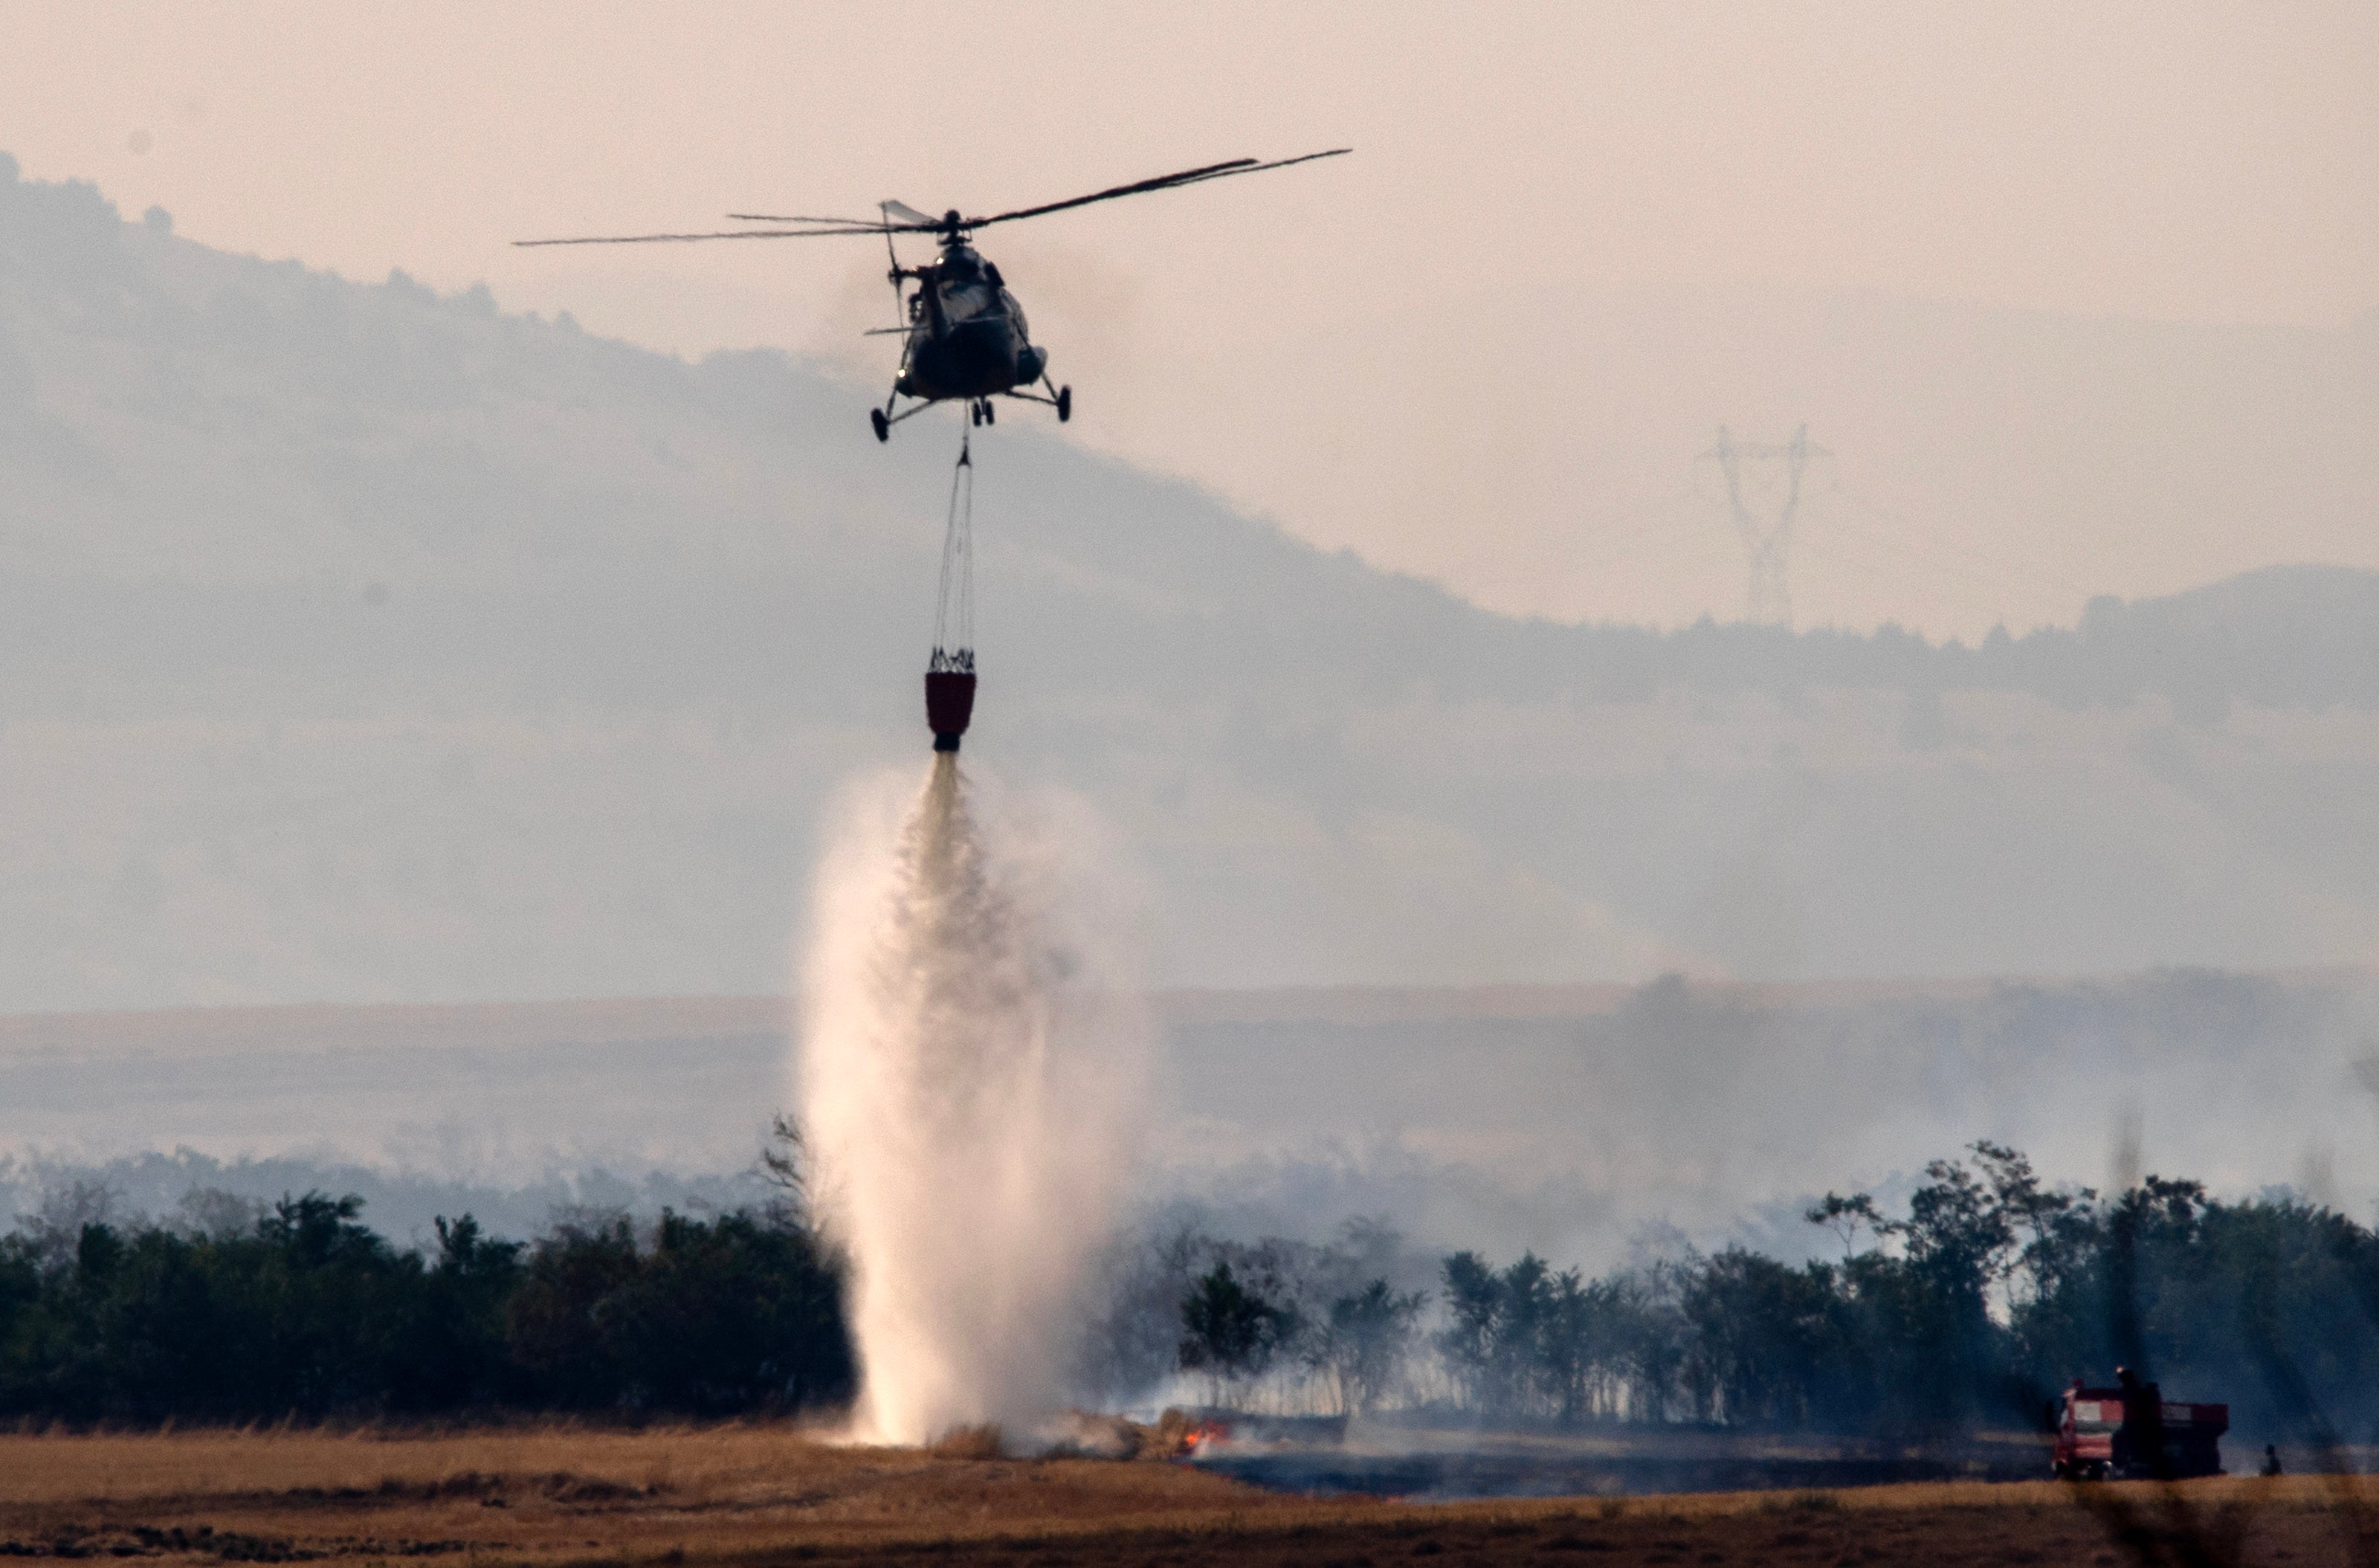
768,1496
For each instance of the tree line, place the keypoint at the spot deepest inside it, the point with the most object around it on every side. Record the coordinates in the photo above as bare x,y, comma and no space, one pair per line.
1989,1294
308,1311
1971,1306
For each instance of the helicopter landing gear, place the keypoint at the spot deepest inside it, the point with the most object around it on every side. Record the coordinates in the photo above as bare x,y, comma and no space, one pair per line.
883,419
981,412
1057,397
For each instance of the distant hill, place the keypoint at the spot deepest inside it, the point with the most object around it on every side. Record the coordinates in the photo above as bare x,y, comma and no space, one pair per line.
359,643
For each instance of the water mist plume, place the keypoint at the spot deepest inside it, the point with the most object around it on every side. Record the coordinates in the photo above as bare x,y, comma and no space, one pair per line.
970,1064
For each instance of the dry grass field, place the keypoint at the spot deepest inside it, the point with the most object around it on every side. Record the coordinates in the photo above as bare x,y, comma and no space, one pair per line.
763,1494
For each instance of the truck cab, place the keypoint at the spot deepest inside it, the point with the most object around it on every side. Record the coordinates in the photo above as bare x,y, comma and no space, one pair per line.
2131,1431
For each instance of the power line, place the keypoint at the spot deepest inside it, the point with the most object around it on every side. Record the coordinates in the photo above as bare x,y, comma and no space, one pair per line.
1946,555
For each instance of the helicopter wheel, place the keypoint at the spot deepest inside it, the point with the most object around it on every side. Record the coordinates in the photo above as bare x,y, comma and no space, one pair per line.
1065,403
990,413
883,425
975,412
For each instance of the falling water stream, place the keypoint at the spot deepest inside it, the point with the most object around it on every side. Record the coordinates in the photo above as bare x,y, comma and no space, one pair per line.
967,1085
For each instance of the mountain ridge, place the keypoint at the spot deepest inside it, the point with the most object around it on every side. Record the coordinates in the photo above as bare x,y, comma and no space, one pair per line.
362,643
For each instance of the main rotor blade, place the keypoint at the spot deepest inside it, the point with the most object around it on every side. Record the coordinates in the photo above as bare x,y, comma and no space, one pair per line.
915,222
728,233
783,218
1162,182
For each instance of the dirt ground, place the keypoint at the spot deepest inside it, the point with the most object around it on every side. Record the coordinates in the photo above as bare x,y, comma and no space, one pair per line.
762,1494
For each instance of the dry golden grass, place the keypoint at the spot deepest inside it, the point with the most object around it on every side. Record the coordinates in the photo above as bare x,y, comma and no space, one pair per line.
217,1462
756,1494
970,1442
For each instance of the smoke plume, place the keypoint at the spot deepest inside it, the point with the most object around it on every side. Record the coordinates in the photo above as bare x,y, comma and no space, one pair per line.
969,1076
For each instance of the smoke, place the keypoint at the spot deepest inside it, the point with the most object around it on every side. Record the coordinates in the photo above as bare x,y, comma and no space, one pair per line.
969,1082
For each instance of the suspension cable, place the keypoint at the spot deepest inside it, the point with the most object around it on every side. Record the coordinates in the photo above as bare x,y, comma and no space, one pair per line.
954,616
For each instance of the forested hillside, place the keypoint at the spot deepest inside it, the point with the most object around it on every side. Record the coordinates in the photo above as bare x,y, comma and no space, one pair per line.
361,644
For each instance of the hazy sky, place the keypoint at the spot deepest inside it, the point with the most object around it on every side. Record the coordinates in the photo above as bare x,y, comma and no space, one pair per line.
2181,162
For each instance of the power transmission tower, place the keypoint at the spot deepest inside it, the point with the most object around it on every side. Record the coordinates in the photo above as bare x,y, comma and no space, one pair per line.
1769,543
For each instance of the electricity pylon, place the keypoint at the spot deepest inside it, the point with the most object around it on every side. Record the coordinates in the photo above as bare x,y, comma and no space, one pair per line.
1767,543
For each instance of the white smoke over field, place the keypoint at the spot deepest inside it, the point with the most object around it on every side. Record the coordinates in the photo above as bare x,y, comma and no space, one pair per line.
971,1076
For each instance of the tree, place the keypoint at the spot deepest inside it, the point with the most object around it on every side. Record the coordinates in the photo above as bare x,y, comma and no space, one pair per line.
1764,1340
1229,1332
1494,1341
1846,1217
730,1314
452,1356
553,1326
1362,1347
2048,1217
785,1165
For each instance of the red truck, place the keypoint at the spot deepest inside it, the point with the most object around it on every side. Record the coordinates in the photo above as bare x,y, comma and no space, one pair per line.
2130,1430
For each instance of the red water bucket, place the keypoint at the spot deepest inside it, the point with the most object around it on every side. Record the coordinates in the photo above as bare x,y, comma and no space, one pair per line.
949,702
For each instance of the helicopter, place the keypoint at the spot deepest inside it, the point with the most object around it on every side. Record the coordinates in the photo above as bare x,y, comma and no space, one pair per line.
962,334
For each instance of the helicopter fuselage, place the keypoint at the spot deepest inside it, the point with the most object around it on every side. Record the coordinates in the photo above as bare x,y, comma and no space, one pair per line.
967,334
